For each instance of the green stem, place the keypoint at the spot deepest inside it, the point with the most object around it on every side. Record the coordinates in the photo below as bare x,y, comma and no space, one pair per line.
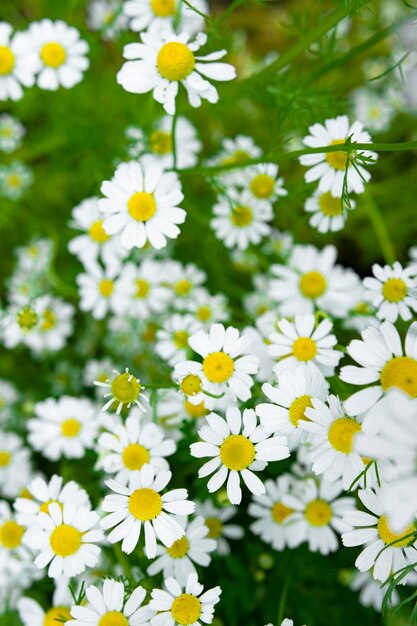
174,142
380,229
122,560
156,386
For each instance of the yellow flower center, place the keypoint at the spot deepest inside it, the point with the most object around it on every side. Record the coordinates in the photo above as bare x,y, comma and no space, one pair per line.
179,548
297,409
106,287
215,527
44,508
65,540
145,504
237,452
160,142
374,112
113,618
318,513
97,232
237,157
183,287
6,60
11,535
218,367
57,616
401,372
163,8
362,308
204,313
394,290
312,285
241,216
337,160
14,180
141,206
142,288
5,458
186,609
53,54
175,61
304,348
280,512
191,385
329,205
135,456
49,320
181,339
126,388
27,318
341,434
388,536
70,427
262,186
195,410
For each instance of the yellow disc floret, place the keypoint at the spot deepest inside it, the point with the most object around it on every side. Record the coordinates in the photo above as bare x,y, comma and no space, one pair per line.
7,61
241,216
318,513
191,385
186,609
237,452
65,540
280,512
70,427
218,367
180,338
113,618
183,287
27,318
49,321
160,142
57,616
145,504
5,458
126,388
141,206
304,348
297,409
337,160
97,232
401,372
312,285
134,456
262,186
215,526
53,54
142,288
179,548
106,287
195,410
394,290
175,61
342,433
329,205
163,8
388,536
11,535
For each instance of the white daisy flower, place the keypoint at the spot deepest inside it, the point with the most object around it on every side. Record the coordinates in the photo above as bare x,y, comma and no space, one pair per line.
61,54
33,614
63,428
163,14
128,447
262,182
361,316
164,60
95,243
54,325
317,514
216,521
97,369
392,291
41,493
18,322
66,540
290,398
332,441
100,291
184,281
329,167
11,132
8,397
110,607
124,389
226,366
384,361
172,340
271,514
35,257
15,178
188,376
144,289
371,592
209,309
311,281
17,65
329,213
141,203
302,342
16,560
241,220
15,467
373,531
373,109
234,152
238,447
184,605
179,559
107,17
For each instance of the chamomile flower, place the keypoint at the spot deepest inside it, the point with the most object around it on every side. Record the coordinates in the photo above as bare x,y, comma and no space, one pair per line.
143,288
110,606
302,342
384,363
373,109
14,465
329,167
392,291
161,14
107,17
184,605
317,514
97,370
54,325
66,540
241,220
15,179
165,60
184,281
16,560
17,65
33,614
124,390
373,531
332,441
262,182
361,316
371,592
238,447
41,493
289,400
8,397
193,548
208,309
235,151
189,378
141,204
140,504
18,322
95,243
63,428
217,521
35,257
100,290
273,518
129,446
311,281
226,366
61,54
11,133
172,340
329,213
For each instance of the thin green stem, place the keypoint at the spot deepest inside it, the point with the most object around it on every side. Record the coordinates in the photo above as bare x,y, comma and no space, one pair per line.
173,135
380,229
